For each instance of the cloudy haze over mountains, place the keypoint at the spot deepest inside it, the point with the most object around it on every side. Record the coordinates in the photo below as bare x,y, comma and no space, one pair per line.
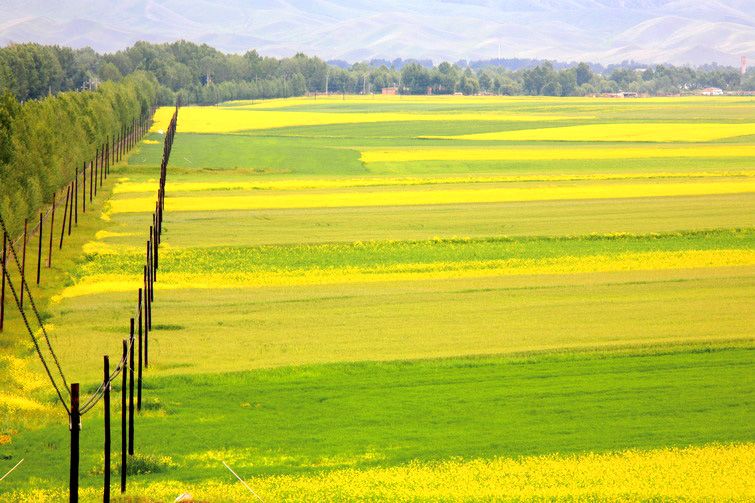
603,31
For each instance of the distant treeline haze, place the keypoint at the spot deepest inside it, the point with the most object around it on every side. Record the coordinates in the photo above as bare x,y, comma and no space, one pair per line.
203,75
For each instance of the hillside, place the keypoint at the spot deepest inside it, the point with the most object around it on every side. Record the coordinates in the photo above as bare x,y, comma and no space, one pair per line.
605,31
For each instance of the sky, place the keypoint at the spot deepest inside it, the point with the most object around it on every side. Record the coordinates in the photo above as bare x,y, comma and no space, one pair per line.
601,31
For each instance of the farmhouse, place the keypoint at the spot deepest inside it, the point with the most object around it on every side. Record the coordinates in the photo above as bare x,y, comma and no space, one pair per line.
392,91
712,91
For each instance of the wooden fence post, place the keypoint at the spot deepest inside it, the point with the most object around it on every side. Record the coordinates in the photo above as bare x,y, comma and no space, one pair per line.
39,248
2,292
150,274
70,213
131,392
52,229
146,299
23,260
124,445
75,427
157,238
146,348
84,188
153,240
65,215
140,349
106,446
143,309
76,198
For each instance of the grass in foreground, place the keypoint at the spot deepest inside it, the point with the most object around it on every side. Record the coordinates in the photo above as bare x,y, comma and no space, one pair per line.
315,419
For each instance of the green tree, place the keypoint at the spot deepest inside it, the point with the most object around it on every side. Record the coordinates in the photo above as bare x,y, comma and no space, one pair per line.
582,74
108,71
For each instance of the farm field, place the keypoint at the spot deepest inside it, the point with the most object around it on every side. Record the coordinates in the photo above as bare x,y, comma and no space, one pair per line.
422,298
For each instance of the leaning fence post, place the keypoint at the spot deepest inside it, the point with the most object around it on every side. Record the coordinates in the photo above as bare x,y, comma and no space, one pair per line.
39,248
70,214
23,261
75,427
106,447
2,292
131,392
124,446
76,197
65,215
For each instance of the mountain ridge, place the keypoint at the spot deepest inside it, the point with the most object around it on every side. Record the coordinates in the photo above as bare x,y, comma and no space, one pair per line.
601,31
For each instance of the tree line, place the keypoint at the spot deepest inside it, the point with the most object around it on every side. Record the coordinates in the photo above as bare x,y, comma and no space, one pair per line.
43,141
201,74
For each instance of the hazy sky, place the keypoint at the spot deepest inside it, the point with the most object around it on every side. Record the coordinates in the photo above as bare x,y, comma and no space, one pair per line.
678,31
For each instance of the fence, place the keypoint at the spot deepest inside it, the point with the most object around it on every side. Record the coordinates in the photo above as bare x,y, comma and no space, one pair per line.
135,349
99,168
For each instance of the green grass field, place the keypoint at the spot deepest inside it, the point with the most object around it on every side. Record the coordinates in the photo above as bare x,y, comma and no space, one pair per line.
322,315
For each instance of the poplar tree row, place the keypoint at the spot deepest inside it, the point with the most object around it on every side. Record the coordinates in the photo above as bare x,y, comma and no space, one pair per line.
44,141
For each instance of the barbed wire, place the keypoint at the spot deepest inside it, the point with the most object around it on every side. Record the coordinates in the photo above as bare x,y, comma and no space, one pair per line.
25,288
6,272
100,391
97,395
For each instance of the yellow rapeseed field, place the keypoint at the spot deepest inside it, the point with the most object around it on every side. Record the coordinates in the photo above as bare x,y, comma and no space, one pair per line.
649,132
641,261
229,120
706,473
127,187
424,197
550,154
23,381
584,102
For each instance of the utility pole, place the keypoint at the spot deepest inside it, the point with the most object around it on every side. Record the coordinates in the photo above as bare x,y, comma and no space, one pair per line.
327,78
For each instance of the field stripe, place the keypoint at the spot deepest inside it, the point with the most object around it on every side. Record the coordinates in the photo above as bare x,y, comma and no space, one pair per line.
128,187
650,132
691,259
553,154
712,472
231,120
425,197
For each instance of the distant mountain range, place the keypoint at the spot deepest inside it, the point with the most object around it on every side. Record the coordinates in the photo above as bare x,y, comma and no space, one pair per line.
602,31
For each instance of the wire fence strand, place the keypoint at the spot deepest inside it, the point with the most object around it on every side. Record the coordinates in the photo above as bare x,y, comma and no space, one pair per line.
34,338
